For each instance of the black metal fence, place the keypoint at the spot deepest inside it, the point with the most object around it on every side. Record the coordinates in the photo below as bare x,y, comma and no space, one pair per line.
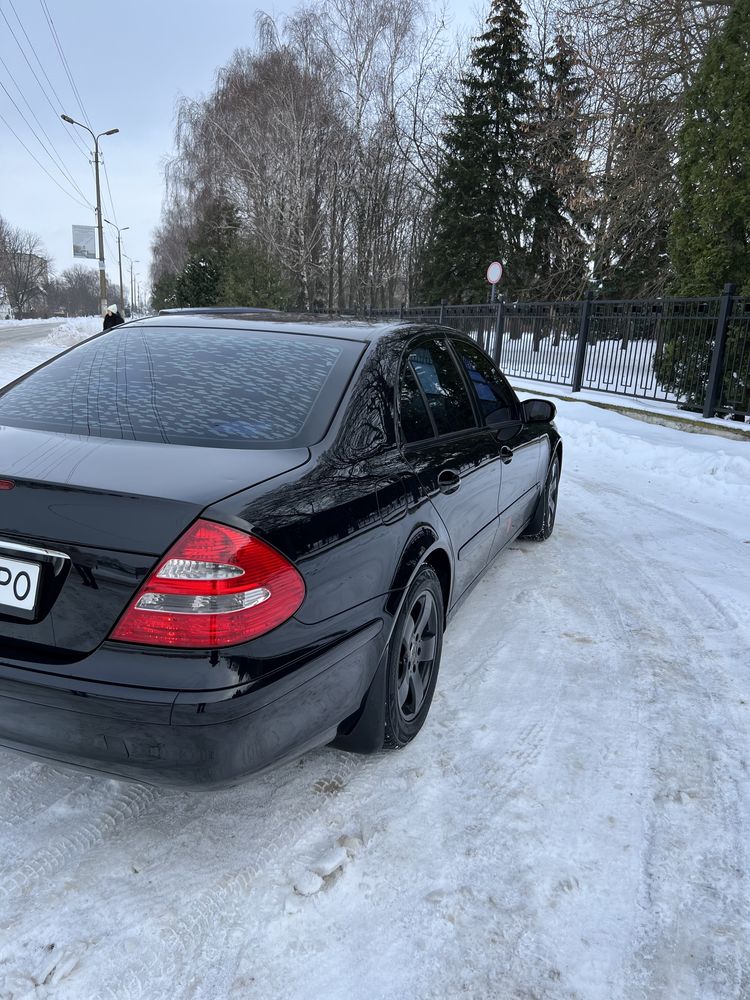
694,352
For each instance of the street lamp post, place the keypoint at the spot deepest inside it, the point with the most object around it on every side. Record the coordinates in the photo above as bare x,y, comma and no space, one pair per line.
120,231
96,138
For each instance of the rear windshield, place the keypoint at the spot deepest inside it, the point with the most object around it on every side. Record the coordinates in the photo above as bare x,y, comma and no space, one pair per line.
217,387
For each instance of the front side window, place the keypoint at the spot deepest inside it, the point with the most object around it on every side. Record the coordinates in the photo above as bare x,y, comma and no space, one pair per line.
443,387
495,397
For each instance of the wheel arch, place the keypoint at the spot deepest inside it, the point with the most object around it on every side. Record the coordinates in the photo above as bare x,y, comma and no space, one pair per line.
424,547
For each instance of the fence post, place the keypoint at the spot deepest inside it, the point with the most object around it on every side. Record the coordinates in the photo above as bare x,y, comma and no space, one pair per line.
716,374
443,304
583,336
497,344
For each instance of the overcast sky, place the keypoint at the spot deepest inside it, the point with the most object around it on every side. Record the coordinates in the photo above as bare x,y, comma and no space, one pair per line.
129,62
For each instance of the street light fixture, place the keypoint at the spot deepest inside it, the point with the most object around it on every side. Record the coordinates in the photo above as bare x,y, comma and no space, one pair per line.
120,230
96,138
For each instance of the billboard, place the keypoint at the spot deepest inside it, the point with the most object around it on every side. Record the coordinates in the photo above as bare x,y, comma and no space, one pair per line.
84,242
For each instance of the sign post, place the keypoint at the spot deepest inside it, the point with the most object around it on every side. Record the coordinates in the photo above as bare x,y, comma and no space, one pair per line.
494,274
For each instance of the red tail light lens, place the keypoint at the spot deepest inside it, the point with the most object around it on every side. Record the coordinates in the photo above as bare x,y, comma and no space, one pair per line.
216,586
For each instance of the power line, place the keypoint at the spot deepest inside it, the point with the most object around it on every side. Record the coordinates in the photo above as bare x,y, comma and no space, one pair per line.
109,190
72,136
30,127
81,148
66,67
60,164
79,99
110,246
40,164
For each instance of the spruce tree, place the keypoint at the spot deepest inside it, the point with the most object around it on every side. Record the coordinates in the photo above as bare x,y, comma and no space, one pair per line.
201,280
223,268
559,179
642,186
482,186
710,233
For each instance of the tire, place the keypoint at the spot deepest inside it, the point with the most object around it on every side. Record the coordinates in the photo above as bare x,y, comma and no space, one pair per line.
542,523
413,660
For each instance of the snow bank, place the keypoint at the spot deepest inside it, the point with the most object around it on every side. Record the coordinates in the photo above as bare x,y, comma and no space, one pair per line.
672,460
705,475
73,331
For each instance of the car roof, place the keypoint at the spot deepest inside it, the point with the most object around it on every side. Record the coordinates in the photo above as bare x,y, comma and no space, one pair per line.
343,329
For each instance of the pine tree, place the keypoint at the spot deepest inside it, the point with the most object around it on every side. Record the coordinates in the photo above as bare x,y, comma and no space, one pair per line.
710,233
482,187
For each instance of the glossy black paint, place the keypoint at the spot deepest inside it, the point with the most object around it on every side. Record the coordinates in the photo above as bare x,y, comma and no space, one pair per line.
358,513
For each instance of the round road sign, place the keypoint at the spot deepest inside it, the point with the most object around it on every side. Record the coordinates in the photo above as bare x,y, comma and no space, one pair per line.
494,272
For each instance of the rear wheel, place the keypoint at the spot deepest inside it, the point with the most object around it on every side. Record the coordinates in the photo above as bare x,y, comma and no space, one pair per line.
413,660
543,521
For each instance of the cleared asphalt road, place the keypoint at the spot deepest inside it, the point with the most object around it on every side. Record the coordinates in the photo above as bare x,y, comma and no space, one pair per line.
13,336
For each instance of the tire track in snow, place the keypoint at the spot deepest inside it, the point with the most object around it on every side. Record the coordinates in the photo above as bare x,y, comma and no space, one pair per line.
128,804
696,804
31,788
175,946
435,777
694,849
200,939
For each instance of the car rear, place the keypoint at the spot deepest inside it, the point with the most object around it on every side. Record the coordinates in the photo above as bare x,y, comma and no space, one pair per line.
127,611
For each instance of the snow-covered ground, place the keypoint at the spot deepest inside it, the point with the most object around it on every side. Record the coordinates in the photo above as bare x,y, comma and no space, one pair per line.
18,356
573,821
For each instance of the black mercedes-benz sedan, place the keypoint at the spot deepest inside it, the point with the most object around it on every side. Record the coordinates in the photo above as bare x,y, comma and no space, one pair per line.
224,541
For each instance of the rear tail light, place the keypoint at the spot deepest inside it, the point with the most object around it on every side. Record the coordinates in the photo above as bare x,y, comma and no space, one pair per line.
216,586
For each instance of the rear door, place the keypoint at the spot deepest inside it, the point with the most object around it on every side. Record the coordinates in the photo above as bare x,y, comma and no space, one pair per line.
456,459
521,444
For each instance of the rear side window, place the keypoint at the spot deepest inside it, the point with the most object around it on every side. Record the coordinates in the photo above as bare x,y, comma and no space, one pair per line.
415,420
443,387
214,387
496,400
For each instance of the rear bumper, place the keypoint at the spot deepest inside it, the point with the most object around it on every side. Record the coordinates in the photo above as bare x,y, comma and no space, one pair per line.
187,738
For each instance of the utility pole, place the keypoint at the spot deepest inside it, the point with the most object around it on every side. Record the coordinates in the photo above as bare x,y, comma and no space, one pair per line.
102,274
120,231
132,281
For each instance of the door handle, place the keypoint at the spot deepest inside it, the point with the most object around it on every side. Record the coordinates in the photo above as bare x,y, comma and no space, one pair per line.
448,481
506,455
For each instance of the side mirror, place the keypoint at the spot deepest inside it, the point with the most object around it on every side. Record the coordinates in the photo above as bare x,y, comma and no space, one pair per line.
538,411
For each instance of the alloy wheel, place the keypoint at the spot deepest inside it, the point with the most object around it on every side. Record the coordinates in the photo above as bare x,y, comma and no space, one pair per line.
417,655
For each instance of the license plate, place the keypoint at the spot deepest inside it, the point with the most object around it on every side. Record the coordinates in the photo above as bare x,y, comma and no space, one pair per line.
19,582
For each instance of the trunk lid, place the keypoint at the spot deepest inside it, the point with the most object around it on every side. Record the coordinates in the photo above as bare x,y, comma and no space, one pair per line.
104,510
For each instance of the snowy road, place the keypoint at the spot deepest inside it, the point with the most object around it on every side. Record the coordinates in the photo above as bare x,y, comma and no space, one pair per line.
14,334
573,821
